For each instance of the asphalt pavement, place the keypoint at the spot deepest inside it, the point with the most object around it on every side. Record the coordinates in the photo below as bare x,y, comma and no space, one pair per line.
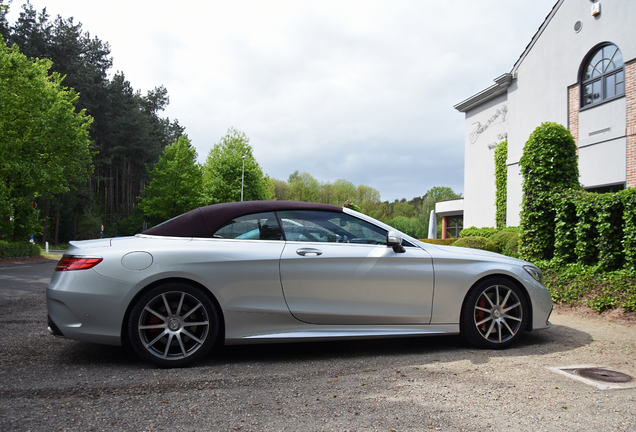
20,279
416,384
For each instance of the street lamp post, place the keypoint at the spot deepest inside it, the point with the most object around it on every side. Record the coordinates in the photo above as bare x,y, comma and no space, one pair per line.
242,178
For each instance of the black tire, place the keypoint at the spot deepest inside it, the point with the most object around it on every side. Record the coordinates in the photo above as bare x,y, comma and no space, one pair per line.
494,314
173,325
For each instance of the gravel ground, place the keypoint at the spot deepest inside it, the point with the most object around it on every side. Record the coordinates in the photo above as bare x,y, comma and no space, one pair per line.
417,384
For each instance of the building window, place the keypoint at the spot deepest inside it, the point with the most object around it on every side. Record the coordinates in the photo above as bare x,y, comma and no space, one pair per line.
607,188
603,76
452,226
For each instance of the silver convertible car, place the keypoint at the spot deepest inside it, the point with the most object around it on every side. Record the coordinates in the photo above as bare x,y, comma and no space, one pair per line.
276,271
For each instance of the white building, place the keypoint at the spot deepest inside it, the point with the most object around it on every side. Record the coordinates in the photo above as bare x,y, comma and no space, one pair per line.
578,70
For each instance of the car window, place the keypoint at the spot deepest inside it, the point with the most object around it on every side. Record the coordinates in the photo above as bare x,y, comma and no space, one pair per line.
259,226
330,227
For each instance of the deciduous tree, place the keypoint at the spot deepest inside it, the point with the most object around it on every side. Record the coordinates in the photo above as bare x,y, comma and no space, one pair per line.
175,183
44,142
223,172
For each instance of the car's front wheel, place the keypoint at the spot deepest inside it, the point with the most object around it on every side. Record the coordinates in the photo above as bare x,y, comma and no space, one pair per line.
495,314
173,325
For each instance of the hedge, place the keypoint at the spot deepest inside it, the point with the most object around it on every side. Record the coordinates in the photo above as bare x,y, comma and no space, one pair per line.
442,242
476,242
595,229
505,240
18,249
478,232
549,163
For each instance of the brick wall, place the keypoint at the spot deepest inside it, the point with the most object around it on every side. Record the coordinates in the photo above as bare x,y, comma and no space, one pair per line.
630,105
573,111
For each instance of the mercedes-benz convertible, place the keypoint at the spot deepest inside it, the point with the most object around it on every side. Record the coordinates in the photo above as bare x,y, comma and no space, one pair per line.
277,271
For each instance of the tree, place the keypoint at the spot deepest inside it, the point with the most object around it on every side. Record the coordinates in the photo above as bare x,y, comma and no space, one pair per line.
127,133
4,24
280,188
175,183
44,142
303,187
368,198
31,32
223,172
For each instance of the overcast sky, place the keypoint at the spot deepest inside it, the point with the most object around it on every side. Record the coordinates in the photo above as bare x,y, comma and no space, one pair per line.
359,90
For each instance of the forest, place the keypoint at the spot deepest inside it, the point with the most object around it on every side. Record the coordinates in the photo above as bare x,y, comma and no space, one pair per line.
118,162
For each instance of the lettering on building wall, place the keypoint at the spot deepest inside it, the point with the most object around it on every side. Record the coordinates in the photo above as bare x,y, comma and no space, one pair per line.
479,128
500,138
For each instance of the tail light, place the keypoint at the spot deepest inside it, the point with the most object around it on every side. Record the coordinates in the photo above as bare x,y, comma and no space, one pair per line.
70,263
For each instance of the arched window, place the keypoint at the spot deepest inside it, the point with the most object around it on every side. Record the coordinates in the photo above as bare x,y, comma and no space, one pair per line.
603,76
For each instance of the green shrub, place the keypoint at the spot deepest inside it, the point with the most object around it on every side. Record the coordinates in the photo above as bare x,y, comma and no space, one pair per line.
565,226
478,232
507,242
476,242
441,242
501,183
628,242
580,285
18,249
549,163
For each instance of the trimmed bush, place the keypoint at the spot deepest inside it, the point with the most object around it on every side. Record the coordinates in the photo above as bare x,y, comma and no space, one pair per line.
549,163
18,249
476,242
507,242
478,232
441,242
595,229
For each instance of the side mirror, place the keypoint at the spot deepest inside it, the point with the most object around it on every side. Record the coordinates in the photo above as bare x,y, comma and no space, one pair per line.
394,240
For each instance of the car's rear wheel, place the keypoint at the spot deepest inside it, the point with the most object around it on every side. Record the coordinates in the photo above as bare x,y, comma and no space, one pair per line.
173,325
495,314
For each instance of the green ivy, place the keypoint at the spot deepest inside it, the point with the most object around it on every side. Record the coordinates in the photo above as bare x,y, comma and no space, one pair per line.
595,229
565,226
628,243
549,163
580,285
501,183
609,224
586,229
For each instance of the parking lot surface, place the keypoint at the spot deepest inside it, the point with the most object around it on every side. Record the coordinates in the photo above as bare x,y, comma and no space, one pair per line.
416,384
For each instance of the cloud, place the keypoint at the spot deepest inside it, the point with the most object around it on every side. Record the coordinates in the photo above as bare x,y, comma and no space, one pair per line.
360,90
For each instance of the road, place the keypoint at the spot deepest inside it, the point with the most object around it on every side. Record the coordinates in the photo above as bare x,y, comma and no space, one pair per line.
47,383
24,278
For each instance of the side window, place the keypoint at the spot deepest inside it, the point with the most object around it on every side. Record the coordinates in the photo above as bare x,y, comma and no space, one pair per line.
259,226
330,227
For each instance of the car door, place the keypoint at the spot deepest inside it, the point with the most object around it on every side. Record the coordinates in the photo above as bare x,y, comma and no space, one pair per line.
243,263
337,269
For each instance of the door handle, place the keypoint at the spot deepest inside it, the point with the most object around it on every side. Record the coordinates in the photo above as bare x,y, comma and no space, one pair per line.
305,251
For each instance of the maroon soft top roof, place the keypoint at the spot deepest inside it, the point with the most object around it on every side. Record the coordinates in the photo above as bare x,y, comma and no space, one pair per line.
204,221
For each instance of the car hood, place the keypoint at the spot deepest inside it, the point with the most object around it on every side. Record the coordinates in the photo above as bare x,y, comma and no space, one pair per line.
470,252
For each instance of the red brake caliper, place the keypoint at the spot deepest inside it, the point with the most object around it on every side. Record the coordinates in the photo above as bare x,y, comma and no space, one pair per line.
154,332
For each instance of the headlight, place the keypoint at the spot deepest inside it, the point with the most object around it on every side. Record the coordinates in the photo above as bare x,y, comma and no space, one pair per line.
535,273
